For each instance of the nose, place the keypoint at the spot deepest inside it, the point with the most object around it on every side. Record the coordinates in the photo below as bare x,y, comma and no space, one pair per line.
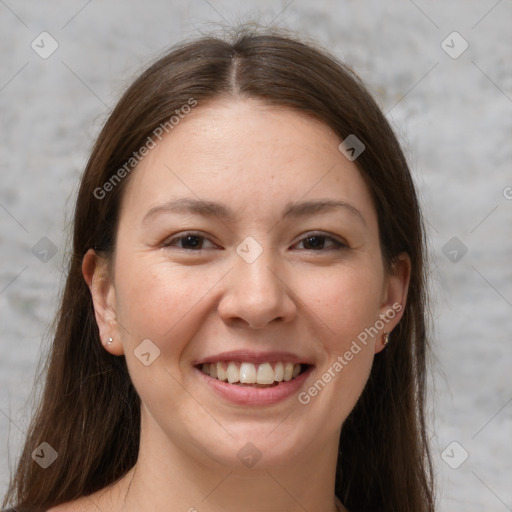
256,294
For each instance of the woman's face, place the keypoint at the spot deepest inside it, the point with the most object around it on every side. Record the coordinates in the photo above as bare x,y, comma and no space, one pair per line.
248,245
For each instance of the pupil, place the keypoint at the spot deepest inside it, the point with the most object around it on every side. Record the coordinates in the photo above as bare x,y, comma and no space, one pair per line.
314,242
192,240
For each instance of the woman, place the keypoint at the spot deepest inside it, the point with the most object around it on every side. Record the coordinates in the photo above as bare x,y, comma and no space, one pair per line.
243,323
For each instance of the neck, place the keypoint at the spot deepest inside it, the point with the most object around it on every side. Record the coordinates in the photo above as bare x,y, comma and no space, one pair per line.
167,477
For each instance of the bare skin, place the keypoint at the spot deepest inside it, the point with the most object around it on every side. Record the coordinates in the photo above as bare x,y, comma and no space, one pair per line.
317,284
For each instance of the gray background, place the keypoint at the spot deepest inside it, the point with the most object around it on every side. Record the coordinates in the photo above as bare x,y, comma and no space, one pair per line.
453,116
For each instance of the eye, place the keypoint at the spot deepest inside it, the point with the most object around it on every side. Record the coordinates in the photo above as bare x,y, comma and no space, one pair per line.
188,241
316,242
321,242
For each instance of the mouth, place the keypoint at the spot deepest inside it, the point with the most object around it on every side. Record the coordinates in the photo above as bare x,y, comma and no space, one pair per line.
254,379
247,374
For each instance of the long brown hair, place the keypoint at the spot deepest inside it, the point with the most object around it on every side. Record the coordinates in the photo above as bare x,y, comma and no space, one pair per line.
90,412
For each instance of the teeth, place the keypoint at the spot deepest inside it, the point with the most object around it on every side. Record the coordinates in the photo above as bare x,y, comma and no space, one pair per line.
249,373
265,374
288,371
221,372
279,372
233,373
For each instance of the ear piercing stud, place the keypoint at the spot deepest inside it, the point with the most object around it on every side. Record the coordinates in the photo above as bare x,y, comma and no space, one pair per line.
110,340
386,338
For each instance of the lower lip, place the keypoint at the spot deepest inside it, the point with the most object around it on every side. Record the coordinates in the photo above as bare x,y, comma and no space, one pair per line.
253,396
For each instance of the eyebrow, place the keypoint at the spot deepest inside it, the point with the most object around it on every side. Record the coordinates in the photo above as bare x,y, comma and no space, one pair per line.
214,209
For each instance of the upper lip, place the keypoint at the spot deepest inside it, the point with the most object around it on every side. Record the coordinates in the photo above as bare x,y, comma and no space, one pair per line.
246,356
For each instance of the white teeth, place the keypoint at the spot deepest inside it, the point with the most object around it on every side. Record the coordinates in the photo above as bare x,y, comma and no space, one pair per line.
221,372
233,373
249,373
265,374
279,372
288,371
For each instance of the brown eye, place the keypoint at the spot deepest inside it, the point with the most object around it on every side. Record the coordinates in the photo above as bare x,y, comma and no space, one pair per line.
188,241
316,242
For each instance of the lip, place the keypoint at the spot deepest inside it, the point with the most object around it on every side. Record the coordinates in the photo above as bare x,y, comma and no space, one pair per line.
253,396
247,356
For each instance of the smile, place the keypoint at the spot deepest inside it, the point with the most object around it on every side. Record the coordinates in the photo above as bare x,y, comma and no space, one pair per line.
249,374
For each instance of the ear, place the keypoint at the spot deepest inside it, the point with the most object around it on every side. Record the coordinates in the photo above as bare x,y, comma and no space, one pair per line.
96,273
394,296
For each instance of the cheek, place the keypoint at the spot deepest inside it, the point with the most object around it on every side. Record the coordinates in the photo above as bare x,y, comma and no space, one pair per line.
154,298
345,303
156,301
346,300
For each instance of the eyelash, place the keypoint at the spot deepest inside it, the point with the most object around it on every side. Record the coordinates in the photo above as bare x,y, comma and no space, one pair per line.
338,245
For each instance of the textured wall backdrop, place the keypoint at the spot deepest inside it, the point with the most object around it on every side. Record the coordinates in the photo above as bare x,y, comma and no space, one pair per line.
442,73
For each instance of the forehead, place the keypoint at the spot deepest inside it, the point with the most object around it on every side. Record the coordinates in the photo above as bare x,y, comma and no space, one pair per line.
244,152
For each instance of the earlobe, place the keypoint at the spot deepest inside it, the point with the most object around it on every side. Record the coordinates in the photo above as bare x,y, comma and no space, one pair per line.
97,276
394,299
